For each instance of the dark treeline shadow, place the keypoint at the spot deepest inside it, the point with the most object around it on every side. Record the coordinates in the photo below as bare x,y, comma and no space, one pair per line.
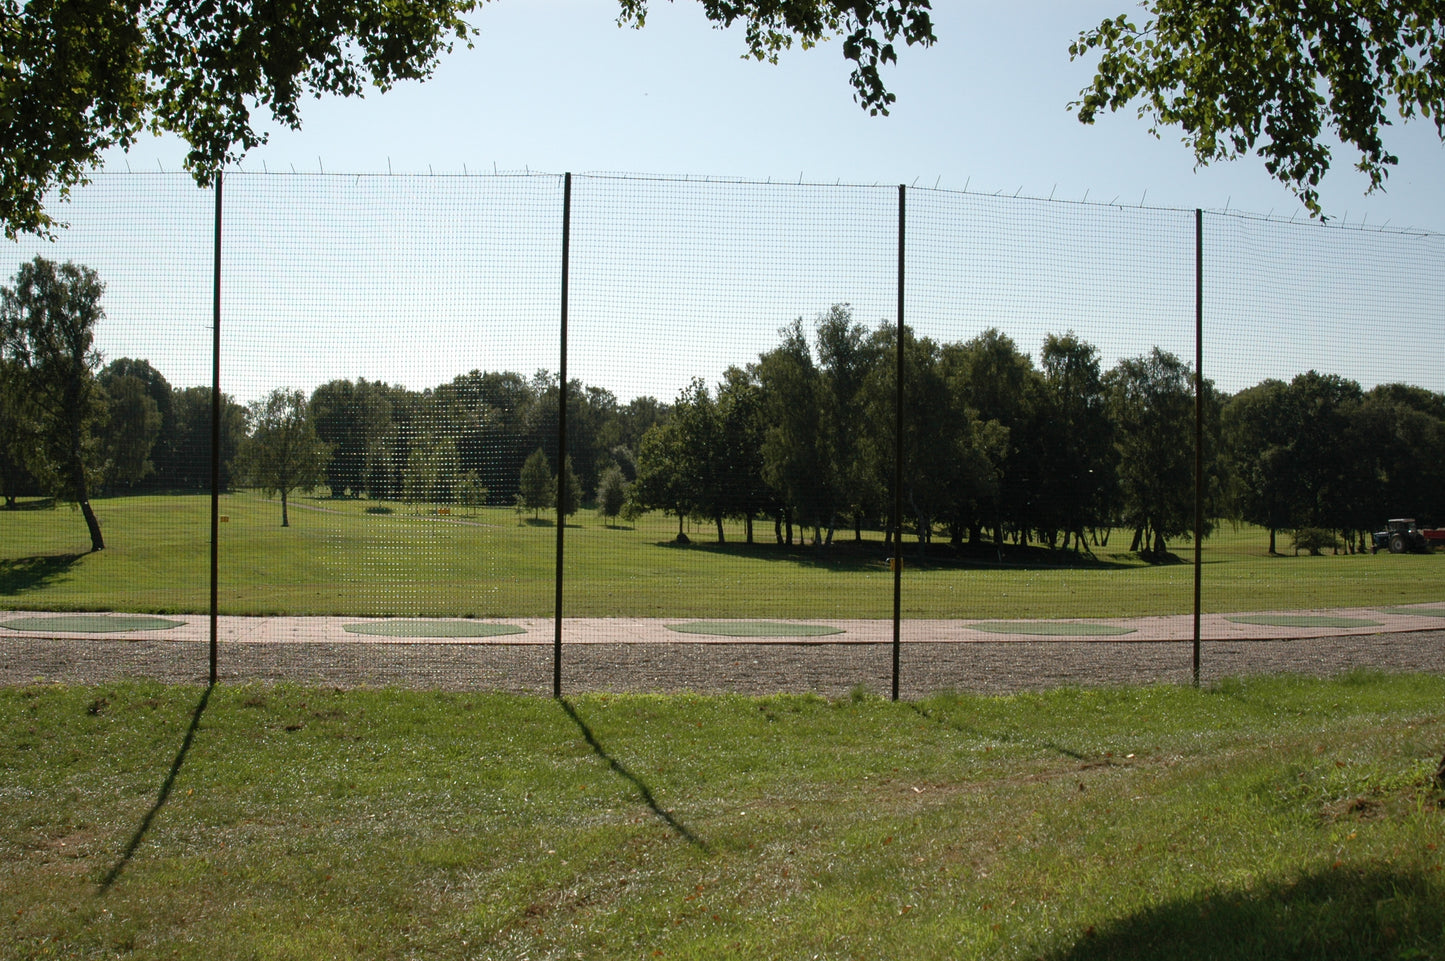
1344,912
846,554
33,573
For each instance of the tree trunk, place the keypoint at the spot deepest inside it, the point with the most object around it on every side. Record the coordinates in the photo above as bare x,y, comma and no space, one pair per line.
1271,542
97,542
718,520
1138,536
82,497
748,527
285,518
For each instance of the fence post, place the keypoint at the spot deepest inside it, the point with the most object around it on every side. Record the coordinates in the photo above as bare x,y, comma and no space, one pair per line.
562,434
215,426
1198,426
898,456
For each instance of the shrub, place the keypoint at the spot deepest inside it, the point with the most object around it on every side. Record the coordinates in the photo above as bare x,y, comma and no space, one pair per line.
1314,540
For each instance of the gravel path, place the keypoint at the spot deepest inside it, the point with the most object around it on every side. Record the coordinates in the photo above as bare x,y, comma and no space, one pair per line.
714,666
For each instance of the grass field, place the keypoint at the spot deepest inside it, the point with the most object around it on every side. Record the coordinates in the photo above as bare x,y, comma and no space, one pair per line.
362,558
1274,818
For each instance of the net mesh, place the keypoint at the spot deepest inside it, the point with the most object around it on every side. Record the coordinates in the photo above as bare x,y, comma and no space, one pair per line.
391,361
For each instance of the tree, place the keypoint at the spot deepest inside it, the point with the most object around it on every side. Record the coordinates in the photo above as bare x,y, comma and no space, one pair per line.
569,488
699,454
432,470
611,493
354,418
15,476
794,462
1257,440
47,330
78,77
536,487
1270,76
190,467
132,424
471,492
1076,482
661,481
740,405
847,355
283,452
991,376
1151,399
158,390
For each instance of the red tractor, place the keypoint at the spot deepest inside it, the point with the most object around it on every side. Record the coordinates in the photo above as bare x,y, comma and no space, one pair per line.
1401,536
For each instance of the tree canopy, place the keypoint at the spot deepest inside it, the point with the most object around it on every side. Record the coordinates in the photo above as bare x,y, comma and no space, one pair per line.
1277,78
78,77
1274,77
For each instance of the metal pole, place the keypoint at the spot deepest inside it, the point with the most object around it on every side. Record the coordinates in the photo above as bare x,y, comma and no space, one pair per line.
215,427
898,457
562,435
1198,426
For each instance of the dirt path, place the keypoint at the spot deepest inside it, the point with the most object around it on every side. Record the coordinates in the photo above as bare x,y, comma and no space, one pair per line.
715,666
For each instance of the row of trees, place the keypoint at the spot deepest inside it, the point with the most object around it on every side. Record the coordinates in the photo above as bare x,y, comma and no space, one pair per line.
995,448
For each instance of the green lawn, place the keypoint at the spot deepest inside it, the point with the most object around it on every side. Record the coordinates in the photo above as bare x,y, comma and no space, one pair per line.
1273,818
361,558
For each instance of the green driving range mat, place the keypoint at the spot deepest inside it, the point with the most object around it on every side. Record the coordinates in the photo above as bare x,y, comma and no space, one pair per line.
433,629
1051,628
1415,611
754,629
92,623
1301,620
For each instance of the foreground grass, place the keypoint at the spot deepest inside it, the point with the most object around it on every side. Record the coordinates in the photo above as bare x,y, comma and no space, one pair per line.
407,560
1265,819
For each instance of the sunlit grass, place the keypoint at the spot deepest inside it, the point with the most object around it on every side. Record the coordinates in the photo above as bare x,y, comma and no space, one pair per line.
298,823
365,558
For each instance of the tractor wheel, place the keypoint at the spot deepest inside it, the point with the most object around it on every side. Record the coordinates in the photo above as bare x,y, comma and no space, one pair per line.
1397,543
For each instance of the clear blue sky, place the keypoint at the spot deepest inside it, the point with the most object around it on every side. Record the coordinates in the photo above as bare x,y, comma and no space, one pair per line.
555,85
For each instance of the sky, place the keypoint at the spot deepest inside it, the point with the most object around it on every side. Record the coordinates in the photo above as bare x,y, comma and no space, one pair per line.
327,283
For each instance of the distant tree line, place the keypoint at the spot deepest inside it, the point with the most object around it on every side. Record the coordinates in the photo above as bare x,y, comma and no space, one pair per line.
996,449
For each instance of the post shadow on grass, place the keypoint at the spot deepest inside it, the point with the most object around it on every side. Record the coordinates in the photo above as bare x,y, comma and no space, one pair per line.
162,797
642,789
1007,738
33,573
1354,911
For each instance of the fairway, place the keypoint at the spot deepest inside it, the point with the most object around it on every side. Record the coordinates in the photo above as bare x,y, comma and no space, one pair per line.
364,559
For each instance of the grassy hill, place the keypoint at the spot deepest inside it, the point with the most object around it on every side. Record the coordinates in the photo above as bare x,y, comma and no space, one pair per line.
1275,818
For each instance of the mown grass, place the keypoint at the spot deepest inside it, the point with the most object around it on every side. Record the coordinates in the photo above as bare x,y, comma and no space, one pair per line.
347,558
1272,818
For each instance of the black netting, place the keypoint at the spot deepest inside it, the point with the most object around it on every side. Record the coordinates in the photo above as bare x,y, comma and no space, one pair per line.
391,430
